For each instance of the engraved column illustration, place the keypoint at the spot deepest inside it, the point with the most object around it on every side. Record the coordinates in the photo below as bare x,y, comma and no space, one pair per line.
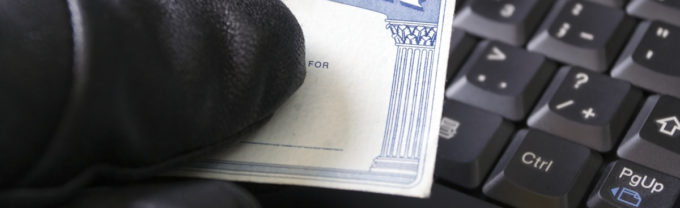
412,83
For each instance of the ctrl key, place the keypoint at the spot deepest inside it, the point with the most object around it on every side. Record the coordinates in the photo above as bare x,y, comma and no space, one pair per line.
541,170
626,184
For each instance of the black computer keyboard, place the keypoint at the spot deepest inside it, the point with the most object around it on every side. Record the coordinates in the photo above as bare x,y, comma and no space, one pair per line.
564,103
552,104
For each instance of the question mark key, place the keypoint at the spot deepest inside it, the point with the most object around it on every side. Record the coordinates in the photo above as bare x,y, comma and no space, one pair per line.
581,79
589,108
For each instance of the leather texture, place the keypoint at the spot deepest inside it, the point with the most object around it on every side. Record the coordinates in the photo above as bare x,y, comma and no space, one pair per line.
118,90
191,193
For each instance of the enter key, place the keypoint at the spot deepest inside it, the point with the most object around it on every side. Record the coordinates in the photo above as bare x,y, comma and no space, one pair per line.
626,184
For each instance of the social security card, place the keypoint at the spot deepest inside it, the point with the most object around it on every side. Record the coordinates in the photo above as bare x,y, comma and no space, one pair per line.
367,116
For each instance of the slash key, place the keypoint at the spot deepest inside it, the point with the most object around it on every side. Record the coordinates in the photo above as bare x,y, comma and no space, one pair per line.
586,107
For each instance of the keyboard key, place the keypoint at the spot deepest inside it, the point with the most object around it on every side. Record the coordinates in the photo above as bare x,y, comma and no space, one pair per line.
541,170
586,108
654,138
461,45
626,184
583,33
651,59
300,196
610,3
502,79
470,141
664,10
509,21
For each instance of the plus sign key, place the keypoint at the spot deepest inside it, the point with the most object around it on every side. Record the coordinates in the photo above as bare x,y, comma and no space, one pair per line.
541,170
626,184
654,138
586,107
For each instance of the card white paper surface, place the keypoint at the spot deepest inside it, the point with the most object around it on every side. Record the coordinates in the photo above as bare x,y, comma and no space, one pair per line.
367,116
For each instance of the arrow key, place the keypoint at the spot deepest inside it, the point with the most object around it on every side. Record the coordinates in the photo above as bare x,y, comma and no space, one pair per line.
626,184
654,138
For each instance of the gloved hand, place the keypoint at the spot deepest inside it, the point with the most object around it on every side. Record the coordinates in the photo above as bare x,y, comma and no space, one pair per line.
166,193
122,89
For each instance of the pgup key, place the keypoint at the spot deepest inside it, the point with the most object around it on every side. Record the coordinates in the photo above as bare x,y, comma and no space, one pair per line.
626,184
639,180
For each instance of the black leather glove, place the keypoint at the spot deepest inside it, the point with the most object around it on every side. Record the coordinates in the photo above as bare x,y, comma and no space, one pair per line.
166,193
122,89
